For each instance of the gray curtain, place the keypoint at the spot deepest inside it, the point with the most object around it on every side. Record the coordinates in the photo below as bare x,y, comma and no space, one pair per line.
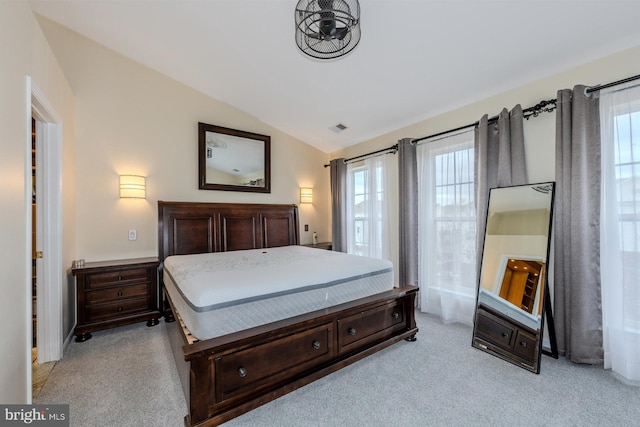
338,204
408,201
577,295
499,161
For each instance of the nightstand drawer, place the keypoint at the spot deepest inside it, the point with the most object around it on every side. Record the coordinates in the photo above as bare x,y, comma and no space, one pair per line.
94,313
116,278
116,294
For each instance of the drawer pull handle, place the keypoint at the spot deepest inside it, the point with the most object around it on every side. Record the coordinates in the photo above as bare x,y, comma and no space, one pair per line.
505,335
395,315
523,344
119,278
316,345
119,293
242,372
119,308
352,331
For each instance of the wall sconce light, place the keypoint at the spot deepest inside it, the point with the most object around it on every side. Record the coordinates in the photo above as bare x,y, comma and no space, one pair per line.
306,195
133,187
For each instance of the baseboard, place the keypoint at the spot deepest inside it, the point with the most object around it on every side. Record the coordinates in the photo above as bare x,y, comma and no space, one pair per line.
67,340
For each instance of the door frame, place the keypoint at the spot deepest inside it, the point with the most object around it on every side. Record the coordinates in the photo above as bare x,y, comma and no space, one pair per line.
49,213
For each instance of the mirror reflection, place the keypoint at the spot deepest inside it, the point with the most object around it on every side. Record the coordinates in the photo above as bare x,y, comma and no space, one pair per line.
233,160
513,277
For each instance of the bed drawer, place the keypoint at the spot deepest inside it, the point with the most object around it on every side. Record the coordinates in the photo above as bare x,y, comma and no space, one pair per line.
116,294
494,330
526,347
116,278
371,325
98,312
511,341
246,370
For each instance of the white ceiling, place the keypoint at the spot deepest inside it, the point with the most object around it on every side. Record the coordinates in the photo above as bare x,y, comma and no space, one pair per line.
416,59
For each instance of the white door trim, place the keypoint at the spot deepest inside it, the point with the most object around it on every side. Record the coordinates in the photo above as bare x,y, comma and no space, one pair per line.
49,143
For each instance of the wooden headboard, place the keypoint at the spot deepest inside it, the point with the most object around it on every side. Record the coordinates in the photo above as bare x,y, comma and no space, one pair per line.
192,227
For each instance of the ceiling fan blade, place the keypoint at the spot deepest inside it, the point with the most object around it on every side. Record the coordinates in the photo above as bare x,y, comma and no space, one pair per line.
314,35
341,33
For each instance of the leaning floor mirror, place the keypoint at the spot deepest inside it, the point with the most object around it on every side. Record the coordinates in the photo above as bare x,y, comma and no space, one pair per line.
513,291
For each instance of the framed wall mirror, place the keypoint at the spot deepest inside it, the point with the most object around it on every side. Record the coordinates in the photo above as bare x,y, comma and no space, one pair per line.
512,299
233,160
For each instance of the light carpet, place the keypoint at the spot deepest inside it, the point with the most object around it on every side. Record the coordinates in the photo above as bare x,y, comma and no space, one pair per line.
127,377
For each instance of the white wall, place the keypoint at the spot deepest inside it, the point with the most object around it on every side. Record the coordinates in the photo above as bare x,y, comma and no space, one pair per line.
25,52
539,132
131,119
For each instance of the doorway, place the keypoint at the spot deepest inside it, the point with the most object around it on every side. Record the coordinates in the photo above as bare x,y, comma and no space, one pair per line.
39,371
43,193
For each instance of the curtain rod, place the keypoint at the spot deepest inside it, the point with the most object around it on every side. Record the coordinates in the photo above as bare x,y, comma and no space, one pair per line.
391,149
546,106
543,106
608,85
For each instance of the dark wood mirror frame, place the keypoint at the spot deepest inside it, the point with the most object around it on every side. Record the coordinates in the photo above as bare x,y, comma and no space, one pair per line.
203,184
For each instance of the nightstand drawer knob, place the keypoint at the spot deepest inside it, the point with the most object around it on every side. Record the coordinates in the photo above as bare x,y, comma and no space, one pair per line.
395,315
505,335
316,345
523,344
119,293
119,308
242,372
352,331
119,278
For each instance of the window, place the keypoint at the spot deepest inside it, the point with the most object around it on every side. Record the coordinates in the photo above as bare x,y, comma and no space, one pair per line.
620,229
360,215
447,227
621,202
627,182
367,210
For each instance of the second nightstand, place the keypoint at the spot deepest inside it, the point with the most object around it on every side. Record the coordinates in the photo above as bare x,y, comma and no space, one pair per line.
322,245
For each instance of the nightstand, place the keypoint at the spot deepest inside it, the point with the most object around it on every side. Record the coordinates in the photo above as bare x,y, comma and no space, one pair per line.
116,293
322,245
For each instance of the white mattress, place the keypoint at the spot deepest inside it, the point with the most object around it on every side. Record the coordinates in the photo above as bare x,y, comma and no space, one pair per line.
220,293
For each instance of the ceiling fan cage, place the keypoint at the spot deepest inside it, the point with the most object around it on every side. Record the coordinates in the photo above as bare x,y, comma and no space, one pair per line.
327,29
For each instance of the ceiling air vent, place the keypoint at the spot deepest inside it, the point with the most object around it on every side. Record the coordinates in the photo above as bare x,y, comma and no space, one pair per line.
338,128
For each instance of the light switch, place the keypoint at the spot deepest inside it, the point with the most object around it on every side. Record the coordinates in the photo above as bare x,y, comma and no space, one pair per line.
133,234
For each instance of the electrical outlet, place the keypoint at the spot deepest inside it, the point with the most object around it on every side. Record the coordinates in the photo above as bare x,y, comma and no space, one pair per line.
306,227
133,234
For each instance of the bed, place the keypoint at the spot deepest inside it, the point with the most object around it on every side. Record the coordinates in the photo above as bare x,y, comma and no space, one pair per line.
237,349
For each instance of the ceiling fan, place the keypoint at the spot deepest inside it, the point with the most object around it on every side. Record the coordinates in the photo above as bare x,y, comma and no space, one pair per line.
327,29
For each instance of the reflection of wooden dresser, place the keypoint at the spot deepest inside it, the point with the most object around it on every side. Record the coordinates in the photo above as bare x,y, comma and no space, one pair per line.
507,339
116,293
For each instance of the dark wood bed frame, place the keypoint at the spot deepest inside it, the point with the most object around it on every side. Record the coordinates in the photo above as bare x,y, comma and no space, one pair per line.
226,376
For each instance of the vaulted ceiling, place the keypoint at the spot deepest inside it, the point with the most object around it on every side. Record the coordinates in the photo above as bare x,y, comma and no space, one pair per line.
416,58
